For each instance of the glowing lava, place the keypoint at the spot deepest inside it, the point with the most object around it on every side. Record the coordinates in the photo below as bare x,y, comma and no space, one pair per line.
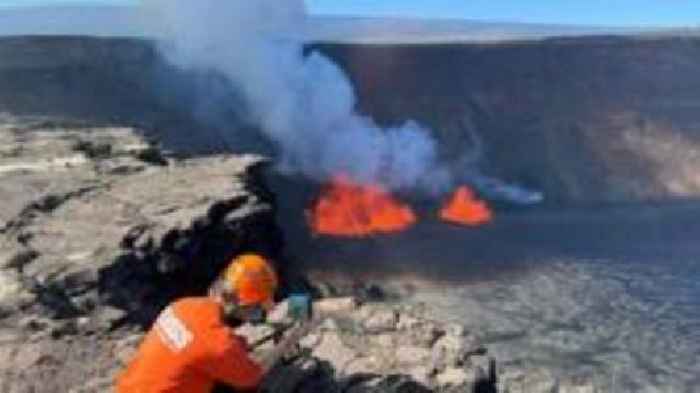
463,208
346,208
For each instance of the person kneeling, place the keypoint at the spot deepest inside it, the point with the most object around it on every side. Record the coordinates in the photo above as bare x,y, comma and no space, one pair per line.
192,345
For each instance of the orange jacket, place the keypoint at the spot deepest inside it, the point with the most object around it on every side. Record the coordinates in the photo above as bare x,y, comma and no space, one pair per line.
187,350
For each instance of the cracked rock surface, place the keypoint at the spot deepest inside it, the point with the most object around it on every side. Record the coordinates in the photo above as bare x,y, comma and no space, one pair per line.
346,353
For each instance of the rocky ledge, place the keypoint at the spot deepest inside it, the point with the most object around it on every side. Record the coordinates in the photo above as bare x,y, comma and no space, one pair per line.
99,229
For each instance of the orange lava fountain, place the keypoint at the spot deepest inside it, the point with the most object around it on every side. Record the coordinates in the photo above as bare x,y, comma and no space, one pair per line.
463,208
349,209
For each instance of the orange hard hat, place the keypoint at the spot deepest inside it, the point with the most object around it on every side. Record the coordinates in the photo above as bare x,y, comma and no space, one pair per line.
252,279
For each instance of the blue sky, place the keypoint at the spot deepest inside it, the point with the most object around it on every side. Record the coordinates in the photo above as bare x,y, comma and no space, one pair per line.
582,12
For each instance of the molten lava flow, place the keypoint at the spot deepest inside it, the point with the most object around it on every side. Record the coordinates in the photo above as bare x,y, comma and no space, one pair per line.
463,208
349,209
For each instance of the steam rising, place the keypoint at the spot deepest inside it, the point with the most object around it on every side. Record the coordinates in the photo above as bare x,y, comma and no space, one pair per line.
304,104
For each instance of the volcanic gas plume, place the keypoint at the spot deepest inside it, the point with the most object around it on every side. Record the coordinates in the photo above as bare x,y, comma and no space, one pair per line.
304,104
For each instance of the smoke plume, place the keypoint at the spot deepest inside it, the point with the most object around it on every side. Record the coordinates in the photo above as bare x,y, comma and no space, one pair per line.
305,104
